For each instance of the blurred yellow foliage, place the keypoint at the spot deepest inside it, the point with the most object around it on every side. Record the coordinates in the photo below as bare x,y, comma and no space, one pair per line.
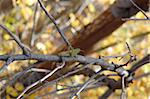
26,12
140,15
106,2
72,16
32,96
40,46
75,23
11,91
29,2
86,21
8,97
140,88
91,7
19,86
6,37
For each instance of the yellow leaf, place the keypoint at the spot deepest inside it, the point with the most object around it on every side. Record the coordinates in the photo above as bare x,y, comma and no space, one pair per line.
8,97
49,44
6,37
29,2
91,8
19,86
40,46
26,12
14,93
140,15
72,16
11,91
86,21
32,96
75,23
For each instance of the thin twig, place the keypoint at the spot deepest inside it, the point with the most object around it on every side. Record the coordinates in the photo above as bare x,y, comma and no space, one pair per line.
115,56
68,88
62,77
85,85
16,77
24,48
107,93
38,70
4,67
53,20
57,90
41,80
140,63
134,19
34,25
128,47
83,6
139,9
132,57
141,76
123,93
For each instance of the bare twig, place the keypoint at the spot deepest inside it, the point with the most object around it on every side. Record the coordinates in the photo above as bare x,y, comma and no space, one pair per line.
24,48
34,25
106,94
128,47
41,80
55,91
123,93
140,63
141,76
132,57
129,79
85,85
53,20
16,77
135,19
83,6
115,56
62,77
139,9
4,67
38,70
70,88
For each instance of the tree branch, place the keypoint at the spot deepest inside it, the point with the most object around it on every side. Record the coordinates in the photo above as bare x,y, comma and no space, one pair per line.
53,20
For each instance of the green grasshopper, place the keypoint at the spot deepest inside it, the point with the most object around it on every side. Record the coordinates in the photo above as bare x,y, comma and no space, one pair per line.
72,52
